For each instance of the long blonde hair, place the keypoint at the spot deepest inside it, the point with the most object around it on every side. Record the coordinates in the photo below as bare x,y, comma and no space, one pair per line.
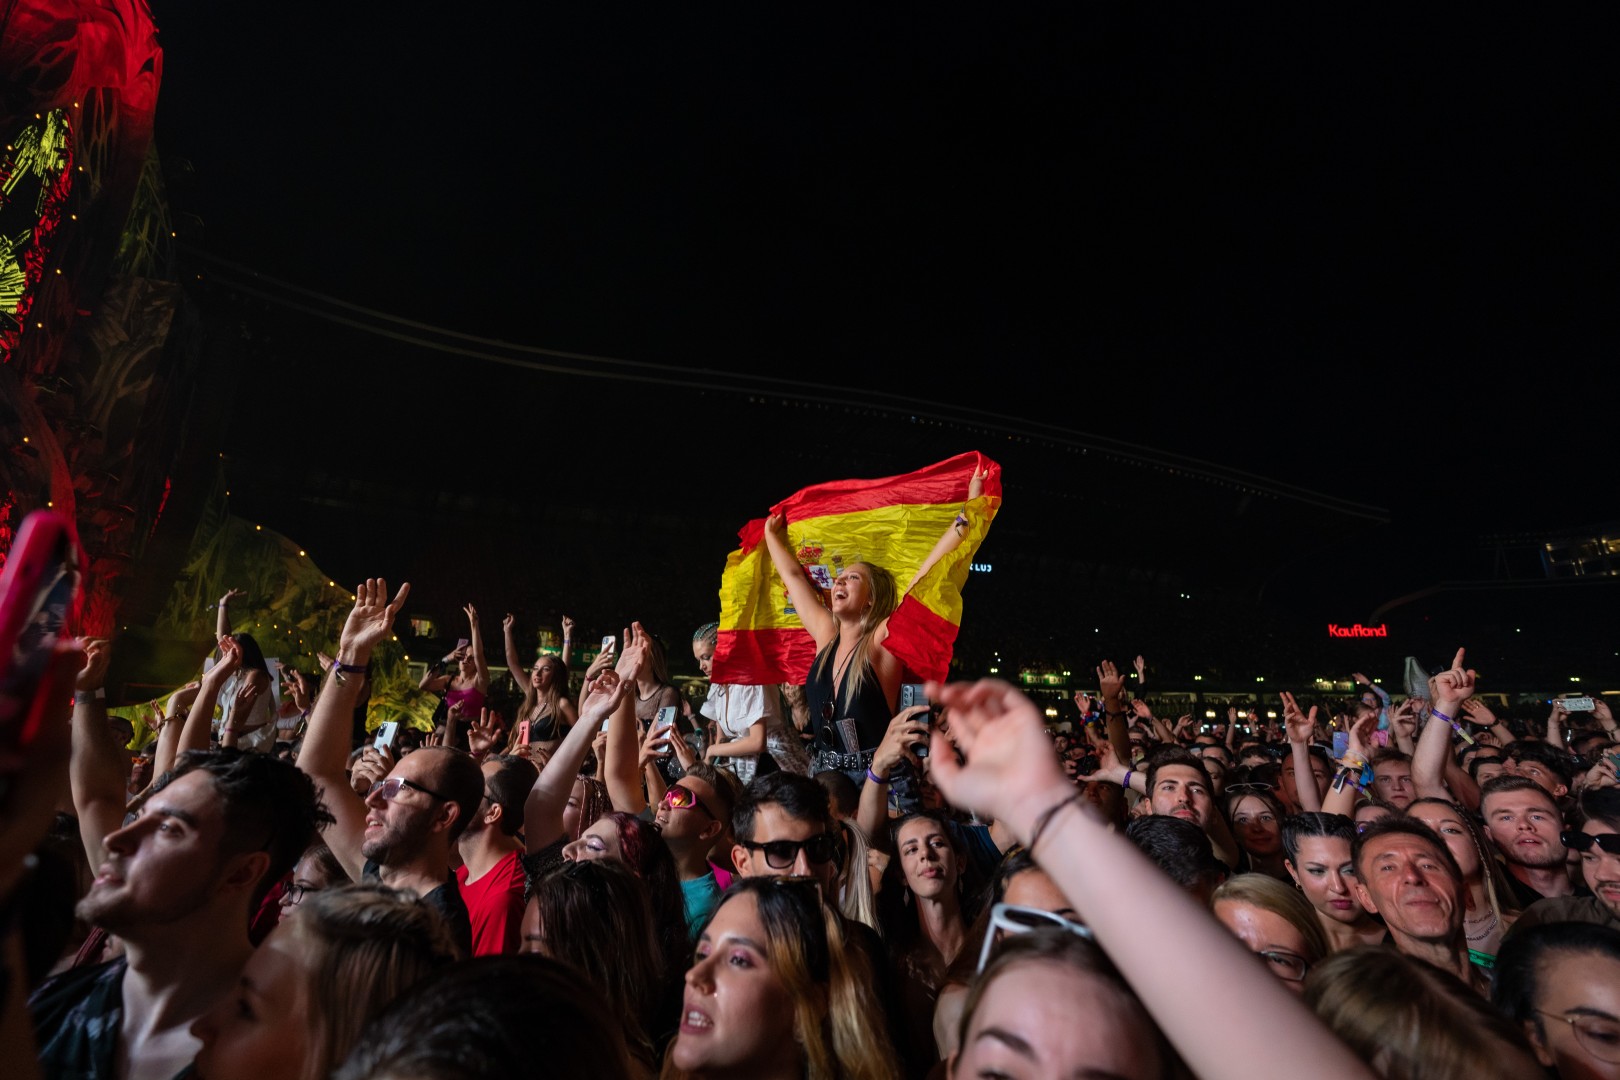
368,943
885,598
837,1020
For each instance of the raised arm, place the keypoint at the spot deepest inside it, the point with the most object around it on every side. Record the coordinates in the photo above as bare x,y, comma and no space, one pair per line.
543,812
222,622
568,641
325,755
1010,773
1479,713
194,735
97,775
908,730
955,532
518,670
1429,760
806,600
1448,692
476,639
175,715
1111,688
622,765
1300,727
1341,798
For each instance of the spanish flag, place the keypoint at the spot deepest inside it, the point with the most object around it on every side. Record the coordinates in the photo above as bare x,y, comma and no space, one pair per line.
893,523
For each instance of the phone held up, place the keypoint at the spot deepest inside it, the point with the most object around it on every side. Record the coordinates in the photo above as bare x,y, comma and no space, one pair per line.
664,722
39,591
912,694
387,736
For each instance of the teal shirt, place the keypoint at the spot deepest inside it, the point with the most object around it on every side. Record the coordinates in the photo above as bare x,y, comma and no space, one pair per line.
700,897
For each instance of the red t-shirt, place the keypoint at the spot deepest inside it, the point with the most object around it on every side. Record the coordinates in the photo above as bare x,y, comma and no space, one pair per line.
495,906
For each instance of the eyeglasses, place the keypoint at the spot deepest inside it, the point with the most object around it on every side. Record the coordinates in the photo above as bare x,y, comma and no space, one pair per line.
781,854
684,798
1285,965
1017,919
388,790
1583,842
1598,1035
294,893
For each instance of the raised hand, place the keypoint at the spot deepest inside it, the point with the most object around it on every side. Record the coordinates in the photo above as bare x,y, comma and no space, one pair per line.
1082,701
506,623
484,733
1477,712
472,613
601,697
907,730
231,594
599,748
636,658
976,484
246,696
1110,682
1451,687
654,744
230,659
1183,727
1010,772
374,765
1361,735
568,625
1140,664
1602,713
1140,708
97,655
1108,765
1299,725
371,620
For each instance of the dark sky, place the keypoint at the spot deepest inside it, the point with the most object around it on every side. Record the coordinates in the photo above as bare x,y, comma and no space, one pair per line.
1367,253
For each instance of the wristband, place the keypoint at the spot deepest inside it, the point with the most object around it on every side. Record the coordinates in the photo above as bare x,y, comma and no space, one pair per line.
340,669
1441,715
874,777
85,697
1126,784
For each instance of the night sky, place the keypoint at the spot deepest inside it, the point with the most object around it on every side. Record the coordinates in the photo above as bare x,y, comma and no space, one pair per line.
1366,253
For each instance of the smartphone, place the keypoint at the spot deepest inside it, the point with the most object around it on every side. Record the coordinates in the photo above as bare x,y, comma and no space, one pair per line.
523,733
462,643
609,643
1341,744
1576,704
912,694
38,591
387,736
663,722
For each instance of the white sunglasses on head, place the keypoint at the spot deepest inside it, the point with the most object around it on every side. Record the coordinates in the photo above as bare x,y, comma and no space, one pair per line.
1017,919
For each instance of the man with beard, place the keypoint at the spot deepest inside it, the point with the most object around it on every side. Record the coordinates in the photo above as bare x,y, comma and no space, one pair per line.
1523,821
1405,873
178,884
404,829
1598,841
491,873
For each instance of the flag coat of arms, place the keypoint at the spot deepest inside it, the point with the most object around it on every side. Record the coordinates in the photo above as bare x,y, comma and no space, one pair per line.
895,523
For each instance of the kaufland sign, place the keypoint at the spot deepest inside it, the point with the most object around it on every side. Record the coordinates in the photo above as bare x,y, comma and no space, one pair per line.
1381,630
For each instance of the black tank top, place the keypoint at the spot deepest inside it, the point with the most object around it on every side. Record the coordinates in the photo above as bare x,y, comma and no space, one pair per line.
869,710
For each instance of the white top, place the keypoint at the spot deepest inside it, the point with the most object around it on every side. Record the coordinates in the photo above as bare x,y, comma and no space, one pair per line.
735,709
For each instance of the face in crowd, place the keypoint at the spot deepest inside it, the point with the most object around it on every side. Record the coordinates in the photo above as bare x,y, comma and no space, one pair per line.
1525,826
1392,782
1181,791
1412,884
788,846
1325,874
927,859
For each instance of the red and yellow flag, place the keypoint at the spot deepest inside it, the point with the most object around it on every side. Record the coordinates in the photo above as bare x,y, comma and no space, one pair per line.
893,523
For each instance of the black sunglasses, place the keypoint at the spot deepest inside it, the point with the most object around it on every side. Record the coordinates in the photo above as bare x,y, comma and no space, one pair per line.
781,854
1583,841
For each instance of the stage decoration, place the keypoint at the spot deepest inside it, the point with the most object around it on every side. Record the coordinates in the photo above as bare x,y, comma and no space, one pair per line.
292,609
893,523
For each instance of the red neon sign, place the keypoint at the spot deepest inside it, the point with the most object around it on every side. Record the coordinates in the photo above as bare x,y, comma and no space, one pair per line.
1381,630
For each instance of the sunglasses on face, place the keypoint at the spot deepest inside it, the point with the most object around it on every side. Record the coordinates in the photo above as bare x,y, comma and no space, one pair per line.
684,798
388,790
1247,789
782,854
1608,843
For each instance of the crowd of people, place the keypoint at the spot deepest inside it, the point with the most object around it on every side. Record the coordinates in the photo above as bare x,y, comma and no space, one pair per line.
853,881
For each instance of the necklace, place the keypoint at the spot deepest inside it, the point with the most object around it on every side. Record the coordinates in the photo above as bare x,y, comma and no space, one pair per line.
1484,933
